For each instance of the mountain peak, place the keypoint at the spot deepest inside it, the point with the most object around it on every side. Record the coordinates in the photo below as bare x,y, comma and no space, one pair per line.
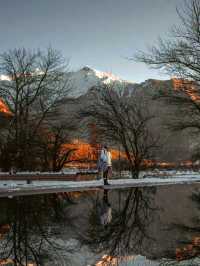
87,77
107,77
86,69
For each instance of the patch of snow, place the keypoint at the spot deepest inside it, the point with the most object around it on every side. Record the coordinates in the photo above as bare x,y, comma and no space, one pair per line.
107,76
52,186
4,77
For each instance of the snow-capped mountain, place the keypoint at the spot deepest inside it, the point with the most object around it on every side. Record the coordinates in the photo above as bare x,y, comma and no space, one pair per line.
85,78
82,80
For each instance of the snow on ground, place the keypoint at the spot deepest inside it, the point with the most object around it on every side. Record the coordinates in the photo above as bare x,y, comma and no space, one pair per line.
93,183
14,185
149,179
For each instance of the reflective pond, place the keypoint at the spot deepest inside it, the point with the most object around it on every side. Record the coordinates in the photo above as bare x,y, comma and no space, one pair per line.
115,227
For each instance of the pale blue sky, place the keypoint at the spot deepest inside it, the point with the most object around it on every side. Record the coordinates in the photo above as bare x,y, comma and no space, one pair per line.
100,34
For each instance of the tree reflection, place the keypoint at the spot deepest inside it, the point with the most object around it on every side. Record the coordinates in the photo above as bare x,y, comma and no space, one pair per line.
30,222
132,213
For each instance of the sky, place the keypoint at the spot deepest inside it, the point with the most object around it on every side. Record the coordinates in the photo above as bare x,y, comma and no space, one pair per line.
101,34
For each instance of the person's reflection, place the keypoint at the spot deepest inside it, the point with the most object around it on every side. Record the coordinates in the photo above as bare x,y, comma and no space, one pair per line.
106,210
124,229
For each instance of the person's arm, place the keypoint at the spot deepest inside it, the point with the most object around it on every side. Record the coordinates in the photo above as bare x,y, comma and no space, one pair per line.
109,158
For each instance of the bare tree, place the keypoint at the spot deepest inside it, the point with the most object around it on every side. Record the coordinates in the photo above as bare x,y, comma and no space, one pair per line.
54,153
179,56
128,230
29,235
36,81
123,119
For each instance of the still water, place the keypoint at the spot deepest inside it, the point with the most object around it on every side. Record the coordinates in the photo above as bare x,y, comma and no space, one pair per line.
102,227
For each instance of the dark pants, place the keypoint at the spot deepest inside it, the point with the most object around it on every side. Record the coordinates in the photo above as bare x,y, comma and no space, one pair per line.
106,174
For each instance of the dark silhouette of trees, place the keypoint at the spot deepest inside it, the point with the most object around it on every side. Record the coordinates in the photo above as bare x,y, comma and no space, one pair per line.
179,56
37,81
123,120
54,153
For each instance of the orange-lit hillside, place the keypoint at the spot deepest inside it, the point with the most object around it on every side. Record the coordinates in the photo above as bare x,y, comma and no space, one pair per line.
87,154
187,86
4,108
190,250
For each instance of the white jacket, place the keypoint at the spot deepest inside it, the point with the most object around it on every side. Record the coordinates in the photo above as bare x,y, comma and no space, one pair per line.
109,158
105,159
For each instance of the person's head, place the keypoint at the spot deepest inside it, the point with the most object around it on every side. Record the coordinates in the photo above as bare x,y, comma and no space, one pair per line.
106,147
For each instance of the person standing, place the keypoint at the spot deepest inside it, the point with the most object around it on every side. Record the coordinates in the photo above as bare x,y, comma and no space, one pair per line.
102,163
108,166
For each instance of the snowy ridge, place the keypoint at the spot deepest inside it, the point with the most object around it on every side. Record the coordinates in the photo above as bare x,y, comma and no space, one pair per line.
85,78
82,80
